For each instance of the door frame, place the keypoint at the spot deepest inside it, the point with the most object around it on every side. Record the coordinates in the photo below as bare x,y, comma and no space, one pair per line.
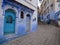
14,24
29,23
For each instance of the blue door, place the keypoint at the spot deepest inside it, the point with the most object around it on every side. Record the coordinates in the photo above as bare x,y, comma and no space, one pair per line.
9,21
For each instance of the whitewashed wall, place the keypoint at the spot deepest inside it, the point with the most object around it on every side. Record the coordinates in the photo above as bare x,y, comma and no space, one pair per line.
1,18
56,6
31,4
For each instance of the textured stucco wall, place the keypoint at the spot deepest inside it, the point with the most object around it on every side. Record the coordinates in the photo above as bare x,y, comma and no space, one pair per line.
20,25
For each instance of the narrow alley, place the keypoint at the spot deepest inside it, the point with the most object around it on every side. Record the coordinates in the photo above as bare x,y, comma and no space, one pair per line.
30,22
45,35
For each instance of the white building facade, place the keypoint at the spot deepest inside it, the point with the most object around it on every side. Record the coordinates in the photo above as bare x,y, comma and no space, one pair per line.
49,10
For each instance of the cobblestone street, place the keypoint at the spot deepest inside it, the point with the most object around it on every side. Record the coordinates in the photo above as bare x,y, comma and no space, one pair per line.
45,35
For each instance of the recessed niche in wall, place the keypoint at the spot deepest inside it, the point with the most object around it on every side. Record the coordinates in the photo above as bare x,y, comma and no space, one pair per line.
34,19
22,15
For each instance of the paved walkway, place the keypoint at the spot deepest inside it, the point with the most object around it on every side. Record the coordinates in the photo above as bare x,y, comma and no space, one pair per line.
45,35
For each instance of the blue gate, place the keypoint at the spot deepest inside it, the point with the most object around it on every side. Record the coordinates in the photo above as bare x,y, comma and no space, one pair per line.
9,21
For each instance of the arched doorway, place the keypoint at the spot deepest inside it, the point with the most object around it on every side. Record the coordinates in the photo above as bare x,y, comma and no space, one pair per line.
9,21
28,22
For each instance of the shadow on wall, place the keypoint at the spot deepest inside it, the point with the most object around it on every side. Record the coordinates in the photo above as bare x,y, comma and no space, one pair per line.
34,27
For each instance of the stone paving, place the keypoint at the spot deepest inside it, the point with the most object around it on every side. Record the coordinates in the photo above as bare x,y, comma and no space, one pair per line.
45,35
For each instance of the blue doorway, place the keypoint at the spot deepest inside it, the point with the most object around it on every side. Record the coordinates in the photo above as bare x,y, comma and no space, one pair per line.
28,22
9,21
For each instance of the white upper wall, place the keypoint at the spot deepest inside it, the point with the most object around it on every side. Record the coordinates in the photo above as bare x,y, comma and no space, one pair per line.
31,4
57,6
1,11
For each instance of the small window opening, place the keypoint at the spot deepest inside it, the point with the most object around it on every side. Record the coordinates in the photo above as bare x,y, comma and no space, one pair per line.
22,15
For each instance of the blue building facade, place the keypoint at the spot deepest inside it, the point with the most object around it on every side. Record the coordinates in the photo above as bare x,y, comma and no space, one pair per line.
50,17
16,20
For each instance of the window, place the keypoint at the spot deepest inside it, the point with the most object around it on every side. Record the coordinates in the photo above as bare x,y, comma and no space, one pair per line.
28,16
47,9
45,5
59,5
51,6
8,19
22,15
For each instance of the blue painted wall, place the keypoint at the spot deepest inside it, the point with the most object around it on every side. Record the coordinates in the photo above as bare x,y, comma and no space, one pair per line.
53,16
20,27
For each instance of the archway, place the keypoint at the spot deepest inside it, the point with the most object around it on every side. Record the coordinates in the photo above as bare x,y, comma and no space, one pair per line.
28,22
9,21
